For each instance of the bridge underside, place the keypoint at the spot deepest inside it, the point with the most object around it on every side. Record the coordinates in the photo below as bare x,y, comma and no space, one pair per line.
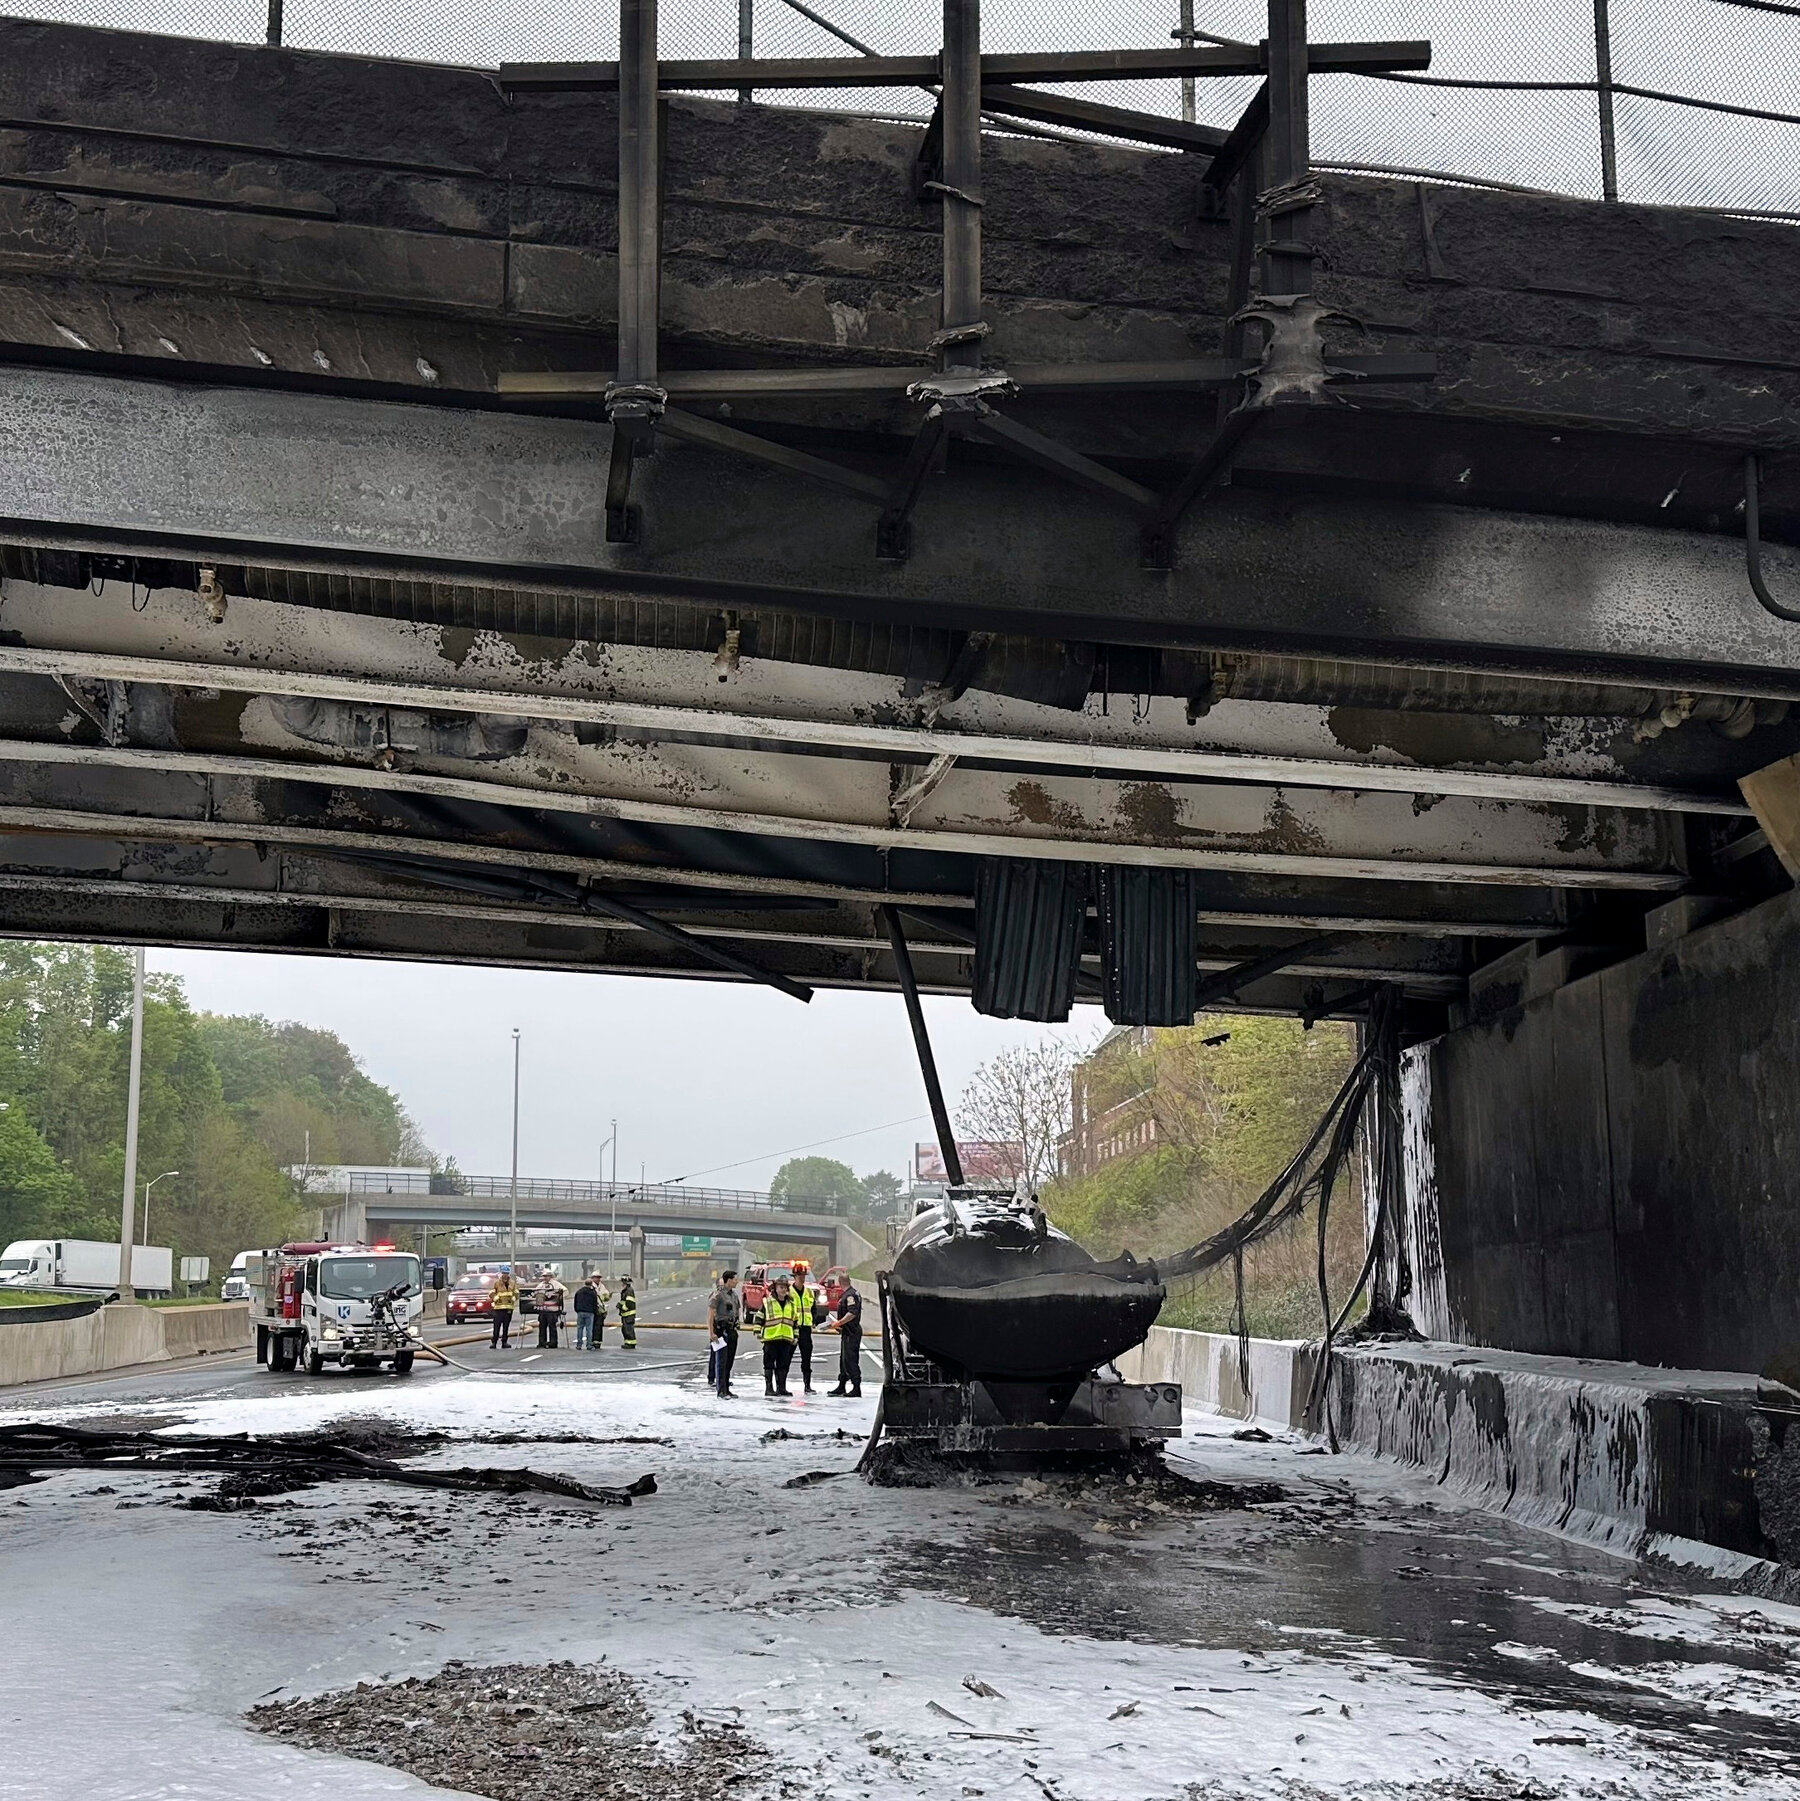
1416,647
313,638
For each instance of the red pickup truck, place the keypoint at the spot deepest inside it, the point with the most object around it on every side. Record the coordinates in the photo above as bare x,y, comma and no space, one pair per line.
755,1286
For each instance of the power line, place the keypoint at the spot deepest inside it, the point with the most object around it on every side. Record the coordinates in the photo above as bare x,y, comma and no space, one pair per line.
792,1150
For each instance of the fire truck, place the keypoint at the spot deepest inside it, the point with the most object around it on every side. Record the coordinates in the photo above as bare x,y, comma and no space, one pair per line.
358,1306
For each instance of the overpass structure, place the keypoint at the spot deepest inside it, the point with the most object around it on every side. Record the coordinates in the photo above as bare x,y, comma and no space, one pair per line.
571,517
368,1209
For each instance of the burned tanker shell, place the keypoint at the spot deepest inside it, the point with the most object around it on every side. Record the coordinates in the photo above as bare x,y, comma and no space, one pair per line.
996,1291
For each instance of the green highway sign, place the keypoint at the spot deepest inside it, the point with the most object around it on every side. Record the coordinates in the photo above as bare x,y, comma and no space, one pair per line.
691,1245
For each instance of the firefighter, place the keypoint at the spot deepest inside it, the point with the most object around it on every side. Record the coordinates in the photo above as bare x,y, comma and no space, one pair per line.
806,1301
847,1324
627,1315
549,1297
503,1301
780,1326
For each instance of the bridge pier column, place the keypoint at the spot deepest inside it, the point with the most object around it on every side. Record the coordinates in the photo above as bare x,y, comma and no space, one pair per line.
635,1238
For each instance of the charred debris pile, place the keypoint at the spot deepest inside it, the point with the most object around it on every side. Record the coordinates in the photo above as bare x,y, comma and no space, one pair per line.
253,1466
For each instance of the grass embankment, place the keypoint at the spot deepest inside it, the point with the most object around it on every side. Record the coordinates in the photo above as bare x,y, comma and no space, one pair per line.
27,1297
186,1300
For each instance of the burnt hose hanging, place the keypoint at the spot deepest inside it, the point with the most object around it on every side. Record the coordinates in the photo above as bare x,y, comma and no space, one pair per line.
1753,545
1314,1172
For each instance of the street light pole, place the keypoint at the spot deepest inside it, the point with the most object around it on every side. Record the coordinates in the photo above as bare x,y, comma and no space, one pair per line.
612,1237
133,1093
515,1158
167,1173
604,1142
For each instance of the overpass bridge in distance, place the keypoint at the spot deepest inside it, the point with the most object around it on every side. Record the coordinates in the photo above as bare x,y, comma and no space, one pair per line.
369,1201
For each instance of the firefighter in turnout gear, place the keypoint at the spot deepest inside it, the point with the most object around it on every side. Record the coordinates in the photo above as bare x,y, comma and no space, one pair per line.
627,1315
780,1328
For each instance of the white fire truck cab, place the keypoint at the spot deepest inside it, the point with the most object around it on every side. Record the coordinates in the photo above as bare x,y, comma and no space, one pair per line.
358,1306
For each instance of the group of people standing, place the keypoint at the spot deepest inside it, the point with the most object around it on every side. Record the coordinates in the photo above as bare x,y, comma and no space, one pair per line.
791,1311
548,1299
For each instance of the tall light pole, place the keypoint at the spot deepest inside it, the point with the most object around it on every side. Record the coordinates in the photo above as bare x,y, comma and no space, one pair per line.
612,1138
515,1159
133,1093
167,1173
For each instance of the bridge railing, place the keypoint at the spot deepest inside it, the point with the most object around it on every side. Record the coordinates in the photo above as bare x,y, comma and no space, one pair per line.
575,1192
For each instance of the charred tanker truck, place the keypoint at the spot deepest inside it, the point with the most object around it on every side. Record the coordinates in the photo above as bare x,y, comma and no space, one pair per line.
998,1332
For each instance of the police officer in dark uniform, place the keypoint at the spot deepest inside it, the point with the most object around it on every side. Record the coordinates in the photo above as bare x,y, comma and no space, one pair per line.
846,1322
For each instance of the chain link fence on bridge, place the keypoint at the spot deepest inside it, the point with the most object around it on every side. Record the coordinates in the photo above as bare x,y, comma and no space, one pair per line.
1669,102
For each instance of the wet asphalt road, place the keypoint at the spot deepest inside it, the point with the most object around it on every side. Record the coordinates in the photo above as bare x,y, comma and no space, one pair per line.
1355,1634
157,1386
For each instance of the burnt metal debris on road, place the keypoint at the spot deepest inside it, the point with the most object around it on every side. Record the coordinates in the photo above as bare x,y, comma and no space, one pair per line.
254,1466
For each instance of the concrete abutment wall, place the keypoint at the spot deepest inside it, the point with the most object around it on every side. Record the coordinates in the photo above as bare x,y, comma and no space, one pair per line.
1611,1168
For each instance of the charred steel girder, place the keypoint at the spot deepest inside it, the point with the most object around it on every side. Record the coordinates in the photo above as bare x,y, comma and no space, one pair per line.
962,395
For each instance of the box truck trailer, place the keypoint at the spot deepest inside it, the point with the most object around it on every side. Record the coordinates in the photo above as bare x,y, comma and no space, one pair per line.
84,1266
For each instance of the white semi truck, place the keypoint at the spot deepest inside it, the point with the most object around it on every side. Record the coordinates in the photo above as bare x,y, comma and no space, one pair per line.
358,1306
236,1286
84,1266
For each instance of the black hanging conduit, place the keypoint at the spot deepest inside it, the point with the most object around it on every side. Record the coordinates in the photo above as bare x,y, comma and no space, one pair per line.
1753,544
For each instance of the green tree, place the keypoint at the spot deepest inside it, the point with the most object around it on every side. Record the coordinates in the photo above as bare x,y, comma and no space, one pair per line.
881,1194
36,1192
1223,1119
815,1185
225,1101
305,1096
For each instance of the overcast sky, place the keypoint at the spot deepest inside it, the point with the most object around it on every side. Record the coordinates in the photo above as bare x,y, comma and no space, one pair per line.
699,1074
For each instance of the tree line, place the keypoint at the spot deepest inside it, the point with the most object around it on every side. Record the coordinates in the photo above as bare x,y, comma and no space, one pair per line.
1154,1139
229,1102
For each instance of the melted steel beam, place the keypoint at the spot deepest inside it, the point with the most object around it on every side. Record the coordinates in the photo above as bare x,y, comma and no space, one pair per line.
1056,459
887,379
420,869
1225,985
927,71
915,1015
1289,212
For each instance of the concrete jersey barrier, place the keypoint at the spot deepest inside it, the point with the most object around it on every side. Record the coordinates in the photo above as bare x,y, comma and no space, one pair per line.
115,1337
1699,1466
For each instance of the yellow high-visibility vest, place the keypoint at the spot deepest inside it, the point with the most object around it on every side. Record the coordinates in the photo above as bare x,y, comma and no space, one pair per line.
780,1319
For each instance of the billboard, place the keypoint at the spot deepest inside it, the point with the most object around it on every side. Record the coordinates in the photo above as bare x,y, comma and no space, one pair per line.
985,1160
